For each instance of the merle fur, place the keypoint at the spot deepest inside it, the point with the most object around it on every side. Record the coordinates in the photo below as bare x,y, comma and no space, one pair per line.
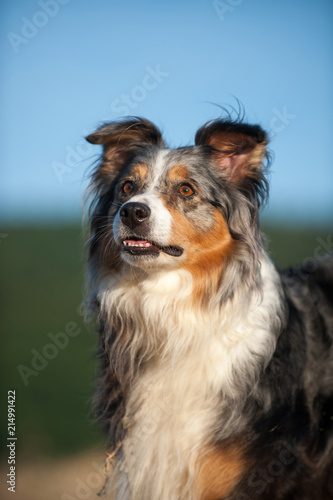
290,440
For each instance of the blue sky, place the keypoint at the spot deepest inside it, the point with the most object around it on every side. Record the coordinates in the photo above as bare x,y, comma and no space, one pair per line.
69,65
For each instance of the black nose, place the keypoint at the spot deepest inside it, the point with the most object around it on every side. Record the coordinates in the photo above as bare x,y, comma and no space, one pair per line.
133,214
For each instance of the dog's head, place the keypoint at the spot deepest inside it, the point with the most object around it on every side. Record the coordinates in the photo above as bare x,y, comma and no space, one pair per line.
193,207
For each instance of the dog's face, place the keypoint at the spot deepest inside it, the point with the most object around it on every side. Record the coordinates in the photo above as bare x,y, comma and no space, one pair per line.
163,213
160,208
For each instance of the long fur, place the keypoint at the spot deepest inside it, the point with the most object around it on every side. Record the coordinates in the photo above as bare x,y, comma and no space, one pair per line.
216,370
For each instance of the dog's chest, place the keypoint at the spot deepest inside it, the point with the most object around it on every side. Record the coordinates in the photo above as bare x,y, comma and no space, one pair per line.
179,401
171,414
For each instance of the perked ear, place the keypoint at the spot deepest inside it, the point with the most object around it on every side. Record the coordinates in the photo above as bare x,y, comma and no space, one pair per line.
134,130
238,149
120,139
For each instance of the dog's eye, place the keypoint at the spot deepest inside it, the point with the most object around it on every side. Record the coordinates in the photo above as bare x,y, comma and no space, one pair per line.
186,190
128,187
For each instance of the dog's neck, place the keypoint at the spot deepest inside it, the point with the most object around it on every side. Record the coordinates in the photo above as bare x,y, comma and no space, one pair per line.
155,317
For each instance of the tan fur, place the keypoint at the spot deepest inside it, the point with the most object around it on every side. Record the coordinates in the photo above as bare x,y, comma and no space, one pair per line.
140,170
220,470
177,173
207,251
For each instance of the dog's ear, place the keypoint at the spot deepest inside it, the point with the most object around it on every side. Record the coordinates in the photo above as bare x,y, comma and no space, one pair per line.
238,149
120,140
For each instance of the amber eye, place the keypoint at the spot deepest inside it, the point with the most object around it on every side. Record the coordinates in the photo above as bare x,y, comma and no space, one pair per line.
128,187
186,190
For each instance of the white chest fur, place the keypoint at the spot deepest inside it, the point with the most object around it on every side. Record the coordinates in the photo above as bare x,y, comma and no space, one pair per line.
177,400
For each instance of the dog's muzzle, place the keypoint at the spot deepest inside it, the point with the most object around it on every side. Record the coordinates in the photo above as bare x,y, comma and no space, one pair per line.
133,215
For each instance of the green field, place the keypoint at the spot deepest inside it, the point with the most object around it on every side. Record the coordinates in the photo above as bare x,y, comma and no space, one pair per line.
41,290
42,281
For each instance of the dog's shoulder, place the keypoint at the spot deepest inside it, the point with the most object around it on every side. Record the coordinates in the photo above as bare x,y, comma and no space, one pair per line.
314,276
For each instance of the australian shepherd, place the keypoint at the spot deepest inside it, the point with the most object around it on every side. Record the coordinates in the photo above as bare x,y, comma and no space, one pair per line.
216,369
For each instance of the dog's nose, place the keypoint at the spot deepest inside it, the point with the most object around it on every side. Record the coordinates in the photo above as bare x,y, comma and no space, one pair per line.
133,214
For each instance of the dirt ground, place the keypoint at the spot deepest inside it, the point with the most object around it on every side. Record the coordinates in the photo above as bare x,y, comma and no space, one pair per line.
74,478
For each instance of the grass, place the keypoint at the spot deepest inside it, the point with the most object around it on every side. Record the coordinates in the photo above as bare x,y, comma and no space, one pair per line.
41,286
42,277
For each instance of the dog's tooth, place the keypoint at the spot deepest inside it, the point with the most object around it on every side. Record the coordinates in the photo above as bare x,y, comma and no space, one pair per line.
147,244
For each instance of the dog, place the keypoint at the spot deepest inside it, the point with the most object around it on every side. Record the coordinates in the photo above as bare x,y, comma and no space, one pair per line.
216,369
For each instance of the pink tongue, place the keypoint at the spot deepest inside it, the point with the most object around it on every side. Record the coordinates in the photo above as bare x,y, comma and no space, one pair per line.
137,242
